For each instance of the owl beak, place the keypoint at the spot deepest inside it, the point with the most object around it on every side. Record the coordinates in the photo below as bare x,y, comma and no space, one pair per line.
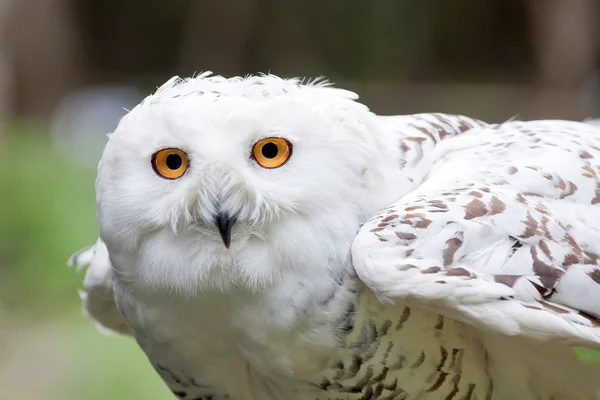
224,224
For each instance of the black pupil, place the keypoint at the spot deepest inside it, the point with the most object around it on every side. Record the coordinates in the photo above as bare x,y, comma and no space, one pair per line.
173,161
270,150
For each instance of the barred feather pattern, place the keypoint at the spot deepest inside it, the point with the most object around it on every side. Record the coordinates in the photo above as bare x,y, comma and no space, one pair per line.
501,235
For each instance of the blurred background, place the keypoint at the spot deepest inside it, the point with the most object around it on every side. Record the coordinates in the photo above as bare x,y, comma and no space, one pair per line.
70,68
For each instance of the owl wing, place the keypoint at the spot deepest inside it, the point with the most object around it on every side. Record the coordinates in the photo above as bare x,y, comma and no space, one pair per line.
97,295
502,233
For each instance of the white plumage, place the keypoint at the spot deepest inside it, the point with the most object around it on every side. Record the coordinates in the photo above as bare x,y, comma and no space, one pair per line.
269,239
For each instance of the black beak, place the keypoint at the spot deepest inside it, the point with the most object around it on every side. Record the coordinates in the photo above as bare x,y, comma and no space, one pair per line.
224,224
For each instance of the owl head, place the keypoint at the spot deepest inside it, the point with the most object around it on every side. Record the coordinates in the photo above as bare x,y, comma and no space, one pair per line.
215,182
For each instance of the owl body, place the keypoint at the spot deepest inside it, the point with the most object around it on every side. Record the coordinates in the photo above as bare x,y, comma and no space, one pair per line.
268,239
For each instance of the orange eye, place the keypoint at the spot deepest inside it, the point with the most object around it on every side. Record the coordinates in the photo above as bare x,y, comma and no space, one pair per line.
272,152
170,163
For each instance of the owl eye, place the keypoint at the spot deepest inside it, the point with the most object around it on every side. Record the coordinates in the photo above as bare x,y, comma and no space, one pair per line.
272,152
170,163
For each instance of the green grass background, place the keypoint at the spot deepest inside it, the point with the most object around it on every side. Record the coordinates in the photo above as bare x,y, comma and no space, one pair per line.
47,213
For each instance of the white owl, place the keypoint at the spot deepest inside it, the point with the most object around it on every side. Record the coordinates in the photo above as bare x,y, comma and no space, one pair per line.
269,239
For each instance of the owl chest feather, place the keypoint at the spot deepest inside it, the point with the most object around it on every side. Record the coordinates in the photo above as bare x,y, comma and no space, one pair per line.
348,347
230,342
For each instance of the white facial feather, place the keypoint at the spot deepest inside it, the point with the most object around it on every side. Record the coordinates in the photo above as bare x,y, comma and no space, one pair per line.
338,175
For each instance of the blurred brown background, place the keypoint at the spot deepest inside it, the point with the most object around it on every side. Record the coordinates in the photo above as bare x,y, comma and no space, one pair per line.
69,68
494,58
